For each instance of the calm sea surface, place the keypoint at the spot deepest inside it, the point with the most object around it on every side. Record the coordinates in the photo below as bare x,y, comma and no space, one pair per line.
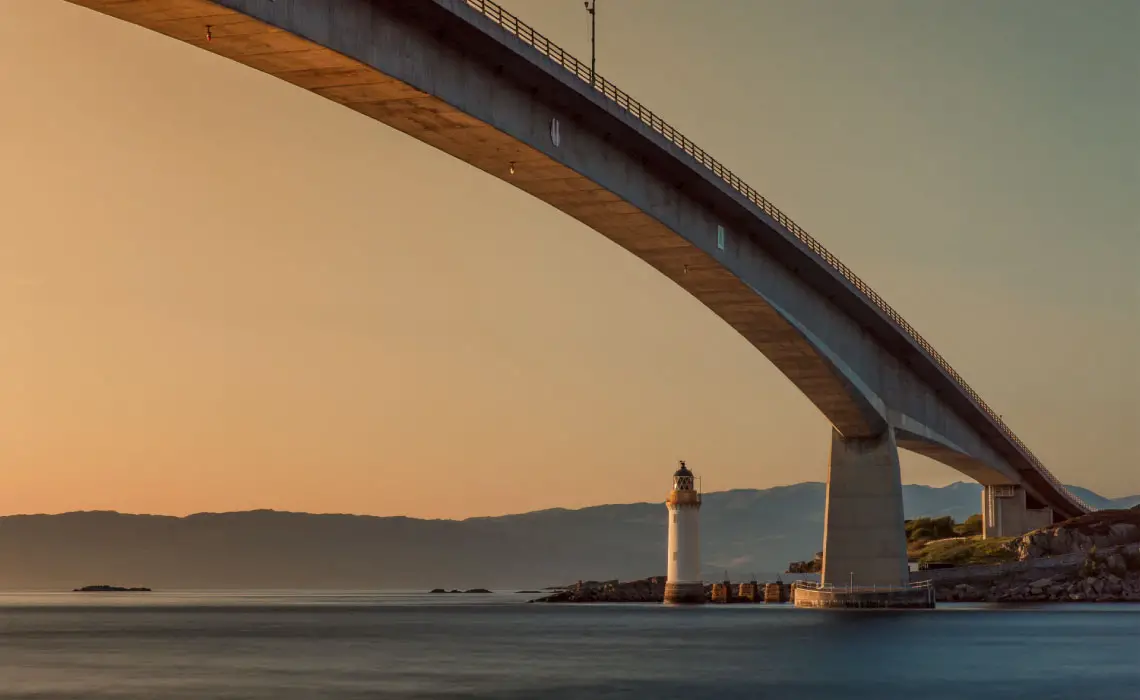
202,646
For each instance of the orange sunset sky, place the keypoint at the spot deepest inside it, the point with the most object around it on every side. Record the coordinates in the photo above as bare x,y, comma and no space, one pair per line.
220,292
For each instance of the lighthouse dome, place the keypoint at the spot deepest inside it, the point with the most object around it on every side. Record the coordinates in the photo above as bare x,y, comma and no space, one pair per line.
683,479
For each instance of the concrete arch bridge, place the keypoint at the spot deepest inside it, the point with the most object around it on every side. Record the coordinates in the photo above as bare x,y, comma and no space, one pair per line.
472,80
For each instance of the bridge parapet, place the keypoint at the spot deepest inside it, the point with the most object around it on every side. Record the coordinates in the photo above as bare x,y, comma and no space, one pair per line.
582,71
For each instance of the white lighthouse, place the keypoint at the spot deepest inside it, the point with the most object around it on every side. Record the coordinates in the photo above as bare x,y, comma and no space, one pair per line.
683,583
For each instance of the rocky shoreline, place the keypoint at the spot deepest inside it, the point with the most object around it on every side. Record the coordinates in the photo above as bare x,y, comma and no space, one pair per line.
1109,588
1093,558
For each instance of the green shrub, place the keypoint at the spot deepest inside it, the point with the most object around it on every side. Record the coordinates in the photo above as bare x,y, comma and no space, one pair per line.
972,526
923,529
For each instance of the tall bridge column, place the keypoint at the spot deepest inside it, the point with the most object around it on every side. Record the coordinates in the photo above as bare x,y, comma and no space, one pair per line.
864,539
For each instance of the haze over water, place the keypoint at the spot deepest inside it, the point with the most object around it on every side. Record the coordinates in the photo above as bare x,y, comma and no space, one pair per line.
286,645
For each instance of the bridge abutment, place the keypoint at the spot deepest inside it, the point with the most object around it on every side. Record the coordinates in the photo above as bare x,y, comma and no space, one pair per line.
864,539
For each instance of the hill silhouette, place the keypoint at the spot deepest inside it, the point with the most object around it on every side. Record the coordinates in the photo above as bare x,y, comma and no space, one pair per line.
745,531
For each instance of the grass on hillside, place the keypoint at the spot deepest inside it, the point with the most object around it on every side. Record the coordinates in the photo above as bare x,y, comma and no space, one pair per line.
963,551
941,540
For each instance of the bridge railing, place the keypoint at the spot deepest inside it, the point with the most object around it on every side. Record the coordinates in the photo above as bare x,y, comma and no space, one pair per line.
555,53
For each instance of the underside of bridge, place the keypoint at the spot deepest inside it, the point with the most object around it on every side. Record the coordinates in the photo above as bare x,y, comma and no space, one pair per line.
454,77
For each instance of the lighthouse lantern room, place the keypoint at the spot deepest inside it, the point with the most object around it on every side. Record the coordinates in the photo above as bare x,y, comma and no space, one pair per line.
683,583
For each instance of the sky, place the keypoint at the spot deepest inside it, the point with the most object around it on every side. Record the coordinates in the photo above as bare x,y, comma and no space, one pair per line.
221,292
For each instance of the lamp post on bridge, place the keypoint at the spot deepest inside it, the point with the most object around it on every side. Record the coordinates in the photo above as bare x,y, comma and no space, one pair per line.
592,7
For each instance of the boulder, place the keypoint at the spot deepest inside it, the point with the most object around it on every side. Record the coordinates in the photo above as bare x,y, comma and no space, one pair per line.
1116,563
1042,582
1102,529
1125,533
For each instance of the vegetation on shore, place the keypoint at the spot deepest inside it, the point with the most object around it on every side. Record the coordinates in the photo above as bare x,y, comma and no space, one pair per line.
926,529
943,541
965,551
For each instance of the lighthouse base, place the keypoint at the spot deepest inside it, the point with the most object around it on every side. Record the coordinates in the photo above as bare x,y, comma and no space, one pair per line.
684,593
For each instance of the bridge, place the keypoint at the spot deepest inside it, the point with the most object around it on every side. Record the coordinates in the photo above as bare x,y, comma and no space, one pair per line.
472,80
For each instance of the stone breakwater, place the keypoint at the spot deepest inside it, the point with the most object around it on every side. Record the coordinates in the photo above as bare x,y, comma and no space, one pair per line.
646,590
652,590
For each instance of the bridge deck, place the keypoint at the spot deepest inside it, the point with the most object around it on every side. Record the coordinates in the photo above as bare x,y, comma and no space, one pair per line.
362,88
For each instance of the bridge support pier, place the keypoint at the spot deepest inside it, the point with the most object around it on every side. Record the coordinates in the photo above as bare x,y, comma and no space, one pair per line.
864,539
1003,510
1006,513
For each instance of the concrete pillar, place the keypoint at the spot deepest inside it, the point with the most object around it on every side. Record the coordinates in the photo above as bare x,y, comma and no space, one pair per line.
1037,518
1003,511
986,534
864,540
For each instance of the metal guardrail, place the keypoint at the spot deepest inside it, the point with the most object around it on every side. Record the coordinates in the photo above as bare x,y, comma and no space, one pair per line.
555,53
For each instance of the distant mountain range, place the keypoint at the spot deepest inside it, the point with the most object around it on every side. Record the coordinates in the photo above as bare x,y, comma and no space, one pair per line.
745,532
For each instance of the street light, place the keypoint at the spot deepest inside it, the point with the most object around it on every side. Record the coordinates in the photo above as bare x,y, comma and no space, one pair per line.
591,7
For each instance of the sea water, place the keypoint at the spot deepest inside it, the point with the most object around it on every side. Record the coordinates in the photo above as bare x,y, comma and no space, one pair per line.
294,645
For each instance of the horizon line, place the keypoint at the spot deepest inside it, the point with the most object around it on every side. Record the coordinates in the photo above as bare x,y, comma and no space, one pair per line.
473,517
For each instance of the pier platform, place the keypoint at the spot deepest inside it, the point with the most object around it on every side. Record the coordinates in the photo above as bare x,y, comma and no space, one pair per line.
813,595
